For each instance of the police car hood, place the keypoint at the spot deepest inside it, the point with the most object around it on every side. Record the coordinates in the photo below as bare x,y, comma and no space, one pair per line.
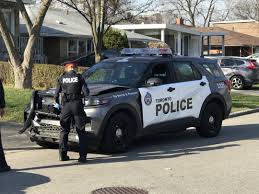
99,89
95,89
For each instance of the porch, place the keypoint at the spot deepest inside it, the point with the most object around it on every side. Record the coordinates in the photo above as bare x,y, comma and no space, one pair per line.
182,39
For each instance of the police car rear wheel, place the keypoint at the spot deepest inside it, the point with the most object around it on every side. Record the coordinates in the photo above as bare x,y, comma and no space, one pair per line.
211,121
118,134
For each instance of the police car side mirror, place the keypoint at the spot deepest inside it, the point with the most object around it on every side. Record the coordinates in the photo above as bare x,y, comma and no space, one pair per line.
154,82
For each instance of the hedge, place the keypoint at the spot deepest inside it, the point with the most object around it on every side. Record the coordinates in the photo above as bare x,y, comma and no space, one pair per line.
43,75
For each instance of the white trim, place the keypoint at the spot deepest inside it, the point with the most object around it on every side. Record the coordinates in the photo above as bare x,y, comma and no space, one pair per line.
177,28
24,1
162,35
214,33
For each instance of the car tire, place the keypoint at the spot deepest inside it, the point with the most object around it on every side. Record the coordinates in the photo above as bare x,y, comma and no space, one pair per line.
118,134
47,145
211,121
237,82
248,87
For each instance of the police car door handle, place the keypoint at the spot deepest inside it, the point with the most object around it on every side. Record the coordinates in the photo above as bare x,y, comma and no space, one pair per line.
171,89
203,83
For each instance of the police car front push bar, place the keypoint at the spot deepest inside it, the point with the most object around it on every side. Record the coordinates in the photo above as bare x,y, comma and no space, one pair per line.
28,121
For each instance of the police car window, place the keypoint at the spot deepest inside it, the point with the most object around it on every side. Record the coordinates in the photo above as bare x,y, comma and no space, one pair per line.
213,69
117,73
185,72
161,71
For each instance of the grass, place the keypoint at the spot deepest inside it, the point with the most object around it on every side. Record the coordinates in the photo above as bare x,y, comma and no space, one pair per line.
16,101
244,102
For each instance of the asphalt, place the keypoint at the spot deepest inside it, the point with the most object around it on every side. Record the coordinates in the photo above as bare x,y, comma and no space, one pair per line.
171,163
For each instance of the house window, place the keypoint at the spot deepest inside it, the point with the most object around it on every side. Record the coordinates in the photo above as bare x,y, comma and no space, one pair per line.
76,48
82,48
89,46
72,49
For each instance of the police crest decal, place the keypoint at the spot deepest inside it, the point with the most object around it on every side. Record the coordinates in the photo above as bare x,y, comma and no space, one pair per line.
148,99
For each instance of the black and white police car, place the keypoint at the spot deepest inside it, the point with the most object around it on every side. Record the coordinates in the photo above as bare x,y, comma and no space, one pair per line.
144,91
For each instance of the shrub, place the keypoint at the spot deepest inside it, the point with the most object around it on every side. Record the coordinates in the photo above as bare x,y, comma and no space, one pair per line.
155,44
115,40
43,75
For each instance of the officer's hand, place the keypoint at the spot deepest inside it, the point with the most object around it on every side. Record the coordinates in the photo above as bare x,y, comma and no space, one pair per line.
56,106
2,112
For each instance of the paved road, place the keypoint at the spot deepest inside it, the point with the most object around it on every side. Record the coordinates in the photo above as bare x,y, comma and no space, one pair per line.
182,163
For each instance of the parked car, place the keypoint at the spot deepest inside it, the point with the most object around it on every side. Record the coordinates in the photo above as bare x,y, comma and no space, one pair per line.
138,95
242,72
89,60
254,56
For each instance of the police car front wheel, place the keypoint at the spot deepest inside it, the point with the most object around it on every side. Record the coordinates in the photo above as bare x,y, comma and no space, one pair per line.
118,134
211,121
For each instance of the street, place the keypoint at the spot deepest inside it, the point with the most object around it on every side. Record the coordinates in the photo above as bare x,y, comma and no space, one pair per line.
175,163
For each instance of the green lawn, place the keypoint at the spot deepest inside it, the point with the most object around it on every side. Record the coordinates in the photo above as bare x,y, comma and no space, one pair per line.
244,102
18,99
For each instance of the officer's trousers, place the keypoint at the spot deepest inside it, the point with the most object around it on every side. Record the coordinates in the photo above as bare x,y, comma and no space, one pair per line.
73,111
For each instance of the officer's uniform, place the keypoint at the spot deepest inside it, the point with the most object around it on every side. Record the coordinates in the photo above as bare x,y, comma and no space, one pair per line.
71,85
3,164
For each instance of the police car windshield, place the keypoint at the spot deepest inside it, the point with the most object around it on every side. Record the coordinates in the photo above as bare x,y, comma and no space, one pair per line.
116,73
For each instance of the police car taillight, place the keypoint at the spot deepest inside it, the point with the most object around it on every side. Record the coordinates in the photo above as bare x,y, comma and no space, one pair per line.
228,84
147,52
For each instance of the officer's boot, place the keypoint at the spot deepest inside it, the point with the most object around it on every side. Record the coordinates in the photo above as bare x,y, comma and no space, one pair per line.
82,158
63,156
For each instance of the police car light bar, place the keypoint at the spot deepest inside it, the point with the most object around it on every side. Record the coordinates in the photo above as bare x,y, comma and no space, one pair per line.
146,51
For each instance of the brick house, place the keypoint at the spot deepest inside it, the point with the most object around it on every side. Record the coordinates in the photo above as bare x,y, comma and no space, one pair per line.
242,38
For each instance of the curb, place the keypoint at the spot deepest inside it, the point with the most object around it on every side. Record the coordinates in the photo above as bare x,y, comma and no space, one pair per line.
242,113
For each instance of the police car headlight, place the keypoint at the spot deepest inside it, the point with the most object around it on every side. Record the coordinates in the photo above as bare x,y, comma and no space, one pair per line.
97,101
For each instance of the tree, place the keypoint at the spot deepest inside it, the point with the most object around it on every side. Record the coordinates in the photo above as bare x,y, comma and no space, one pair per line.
246,10
102,14
197,12
22,65
114,39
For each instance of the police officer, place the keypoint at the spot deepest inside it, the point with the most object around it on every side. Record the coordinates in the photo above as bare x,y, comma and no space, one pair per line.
3,165
72,85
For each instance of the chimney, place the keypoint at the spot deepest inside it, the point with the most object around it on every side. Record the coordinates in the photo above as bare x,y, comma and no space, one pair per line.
179,21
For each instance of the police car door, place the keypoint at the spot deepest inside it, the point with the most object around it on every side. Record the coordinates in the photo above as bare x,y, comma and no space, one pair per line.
172,101
191,90
156,99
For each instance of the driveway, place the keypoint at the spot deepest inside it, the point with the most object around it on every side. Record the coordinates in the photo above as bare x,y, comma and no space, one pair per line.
169,163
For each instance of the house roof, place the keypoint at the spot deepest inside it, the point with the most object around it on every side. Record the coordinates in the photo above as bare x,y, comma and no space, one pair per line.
173,27
232,38
61,23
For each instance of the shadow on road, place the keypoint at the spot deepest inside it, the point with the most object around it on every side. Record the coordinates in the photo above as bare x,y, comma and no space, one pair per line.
23,148
17,182
174,145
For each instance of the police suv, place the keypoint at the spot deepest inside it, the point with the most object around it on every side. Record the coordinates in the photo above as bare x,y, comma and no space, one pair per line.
144,91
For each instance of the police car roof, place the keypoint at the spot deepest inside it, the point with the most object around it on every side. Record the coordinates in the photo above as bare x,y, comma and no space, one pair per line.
154,59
